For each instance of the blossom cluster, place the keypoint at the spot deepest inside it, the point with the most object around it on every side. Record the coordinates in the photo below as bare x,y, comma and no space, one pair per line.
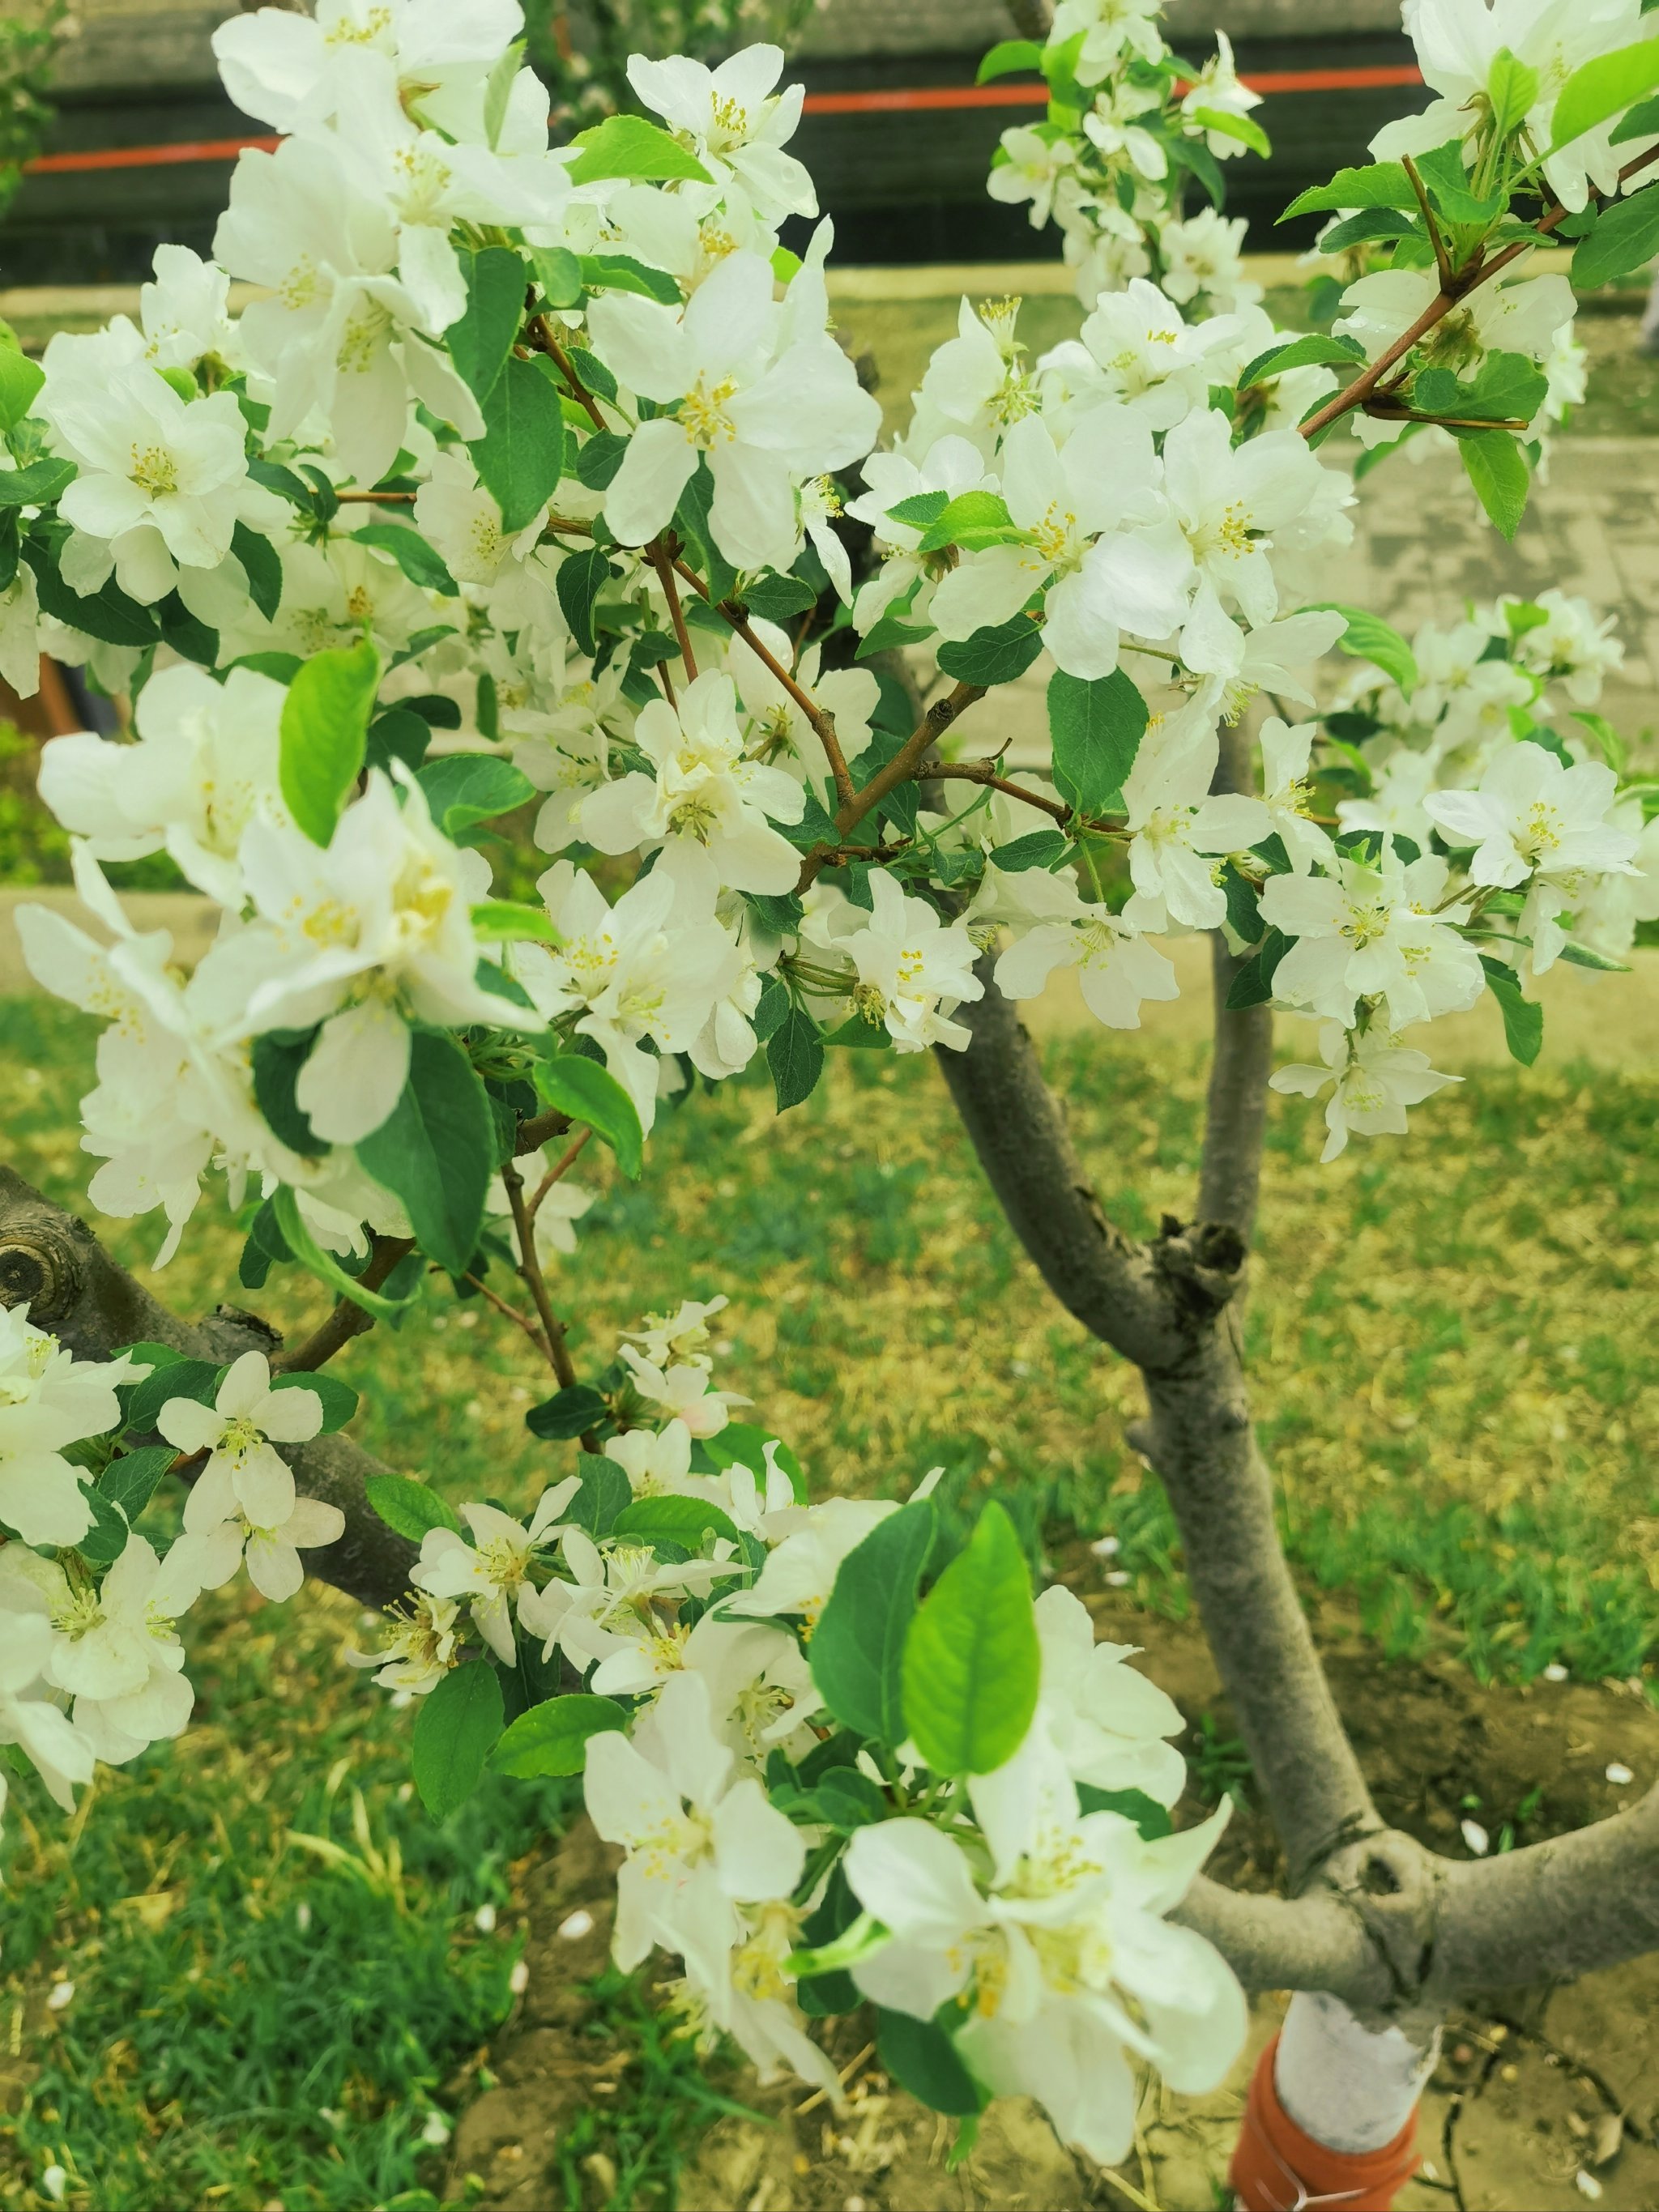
741,1676
1130,125
91,1663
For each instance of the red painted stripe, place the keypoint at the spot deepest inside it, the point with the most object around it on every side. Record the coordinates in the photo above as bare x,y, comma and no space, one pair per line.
145,157
879,102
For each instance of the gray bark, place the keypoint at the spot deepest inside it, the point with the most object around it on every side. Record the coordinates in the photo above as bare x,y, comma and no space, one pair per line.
52,1262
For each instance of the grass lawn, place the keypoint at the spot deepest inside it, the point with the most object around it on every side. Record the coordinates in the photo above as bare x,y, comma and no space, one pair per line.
1448,1343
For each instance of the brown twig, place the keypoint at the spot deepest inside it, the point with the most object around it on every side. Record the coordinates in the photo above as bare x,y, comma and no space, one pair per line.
555,353
1387,412
1357,393
535,1133
556,1172
657,554
381,498
984,772
823,724
558,1353
348,1319
900,770
512,1312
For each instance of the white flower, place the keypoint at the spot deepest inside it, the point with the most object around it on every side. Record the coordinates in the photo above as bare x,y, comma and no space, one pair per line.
766,410
1147,355
1124,142
216,1541
1217,88
1285,754
1107,1722
185,311
492,1571
29,1717
1081,508
1202,255
1572,647
162,482
1372,931
244,1475
422,1644
736,122
206,758
681,1336
378,922
286,69
48,1400
335,329
685,1391
605,1610
799,1575
1117,969
1032,171
514,575
913,971
705,789
556,1217
1228,500
1112,29
1522,317
1063,1960
1377,1078
20,638
1178,828
648,968
1531,814
700,1838
118,1655
782,736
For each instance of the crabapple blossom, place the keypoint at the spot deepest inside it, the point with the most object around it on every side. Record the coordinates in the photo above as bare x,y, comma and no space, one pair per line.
1376,1079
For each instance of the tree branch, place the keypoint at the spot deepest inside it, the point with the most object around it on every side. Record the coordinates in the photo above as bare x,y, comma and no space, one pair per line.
53,1263
1235,1111
348,1319
1164,1306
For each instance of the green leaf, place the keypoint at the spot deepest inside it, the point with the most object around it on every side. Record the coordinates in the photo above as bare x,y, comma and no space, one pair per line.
310,1254
995,654
504,922
1523,1019
129,1481
621,272
552,1738
463,789
1007,56
263,567
20,378
605,1490
417,560
1497,468
278,1056
481,339
920,510
1096,727
975,520
779,599
325,730
857,1649
1253,986
1314,351
1444,173
598,457
629,146
567,1413
1148,1815
669,1520
107,613
1626,237
1642,122
1508,388
590,1093
1367,637
795,1052
559,274
1380,184
922,2058
106,1540
409,1507
521,457
1602,87
971,1659
459,1723
1512,89
1242,127
1038,849
339,1400
581,577
38,485
179,1378
1584,956
398,735
436,1149
1358,230
498,91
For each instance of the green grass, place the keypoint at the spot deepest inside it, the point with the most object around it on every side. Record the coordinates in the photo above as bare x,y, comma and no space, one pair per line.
1447,1340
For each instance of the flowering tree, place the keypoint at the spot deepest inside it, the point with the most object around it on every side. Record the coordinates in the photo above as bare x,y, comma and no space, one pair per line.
520,487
